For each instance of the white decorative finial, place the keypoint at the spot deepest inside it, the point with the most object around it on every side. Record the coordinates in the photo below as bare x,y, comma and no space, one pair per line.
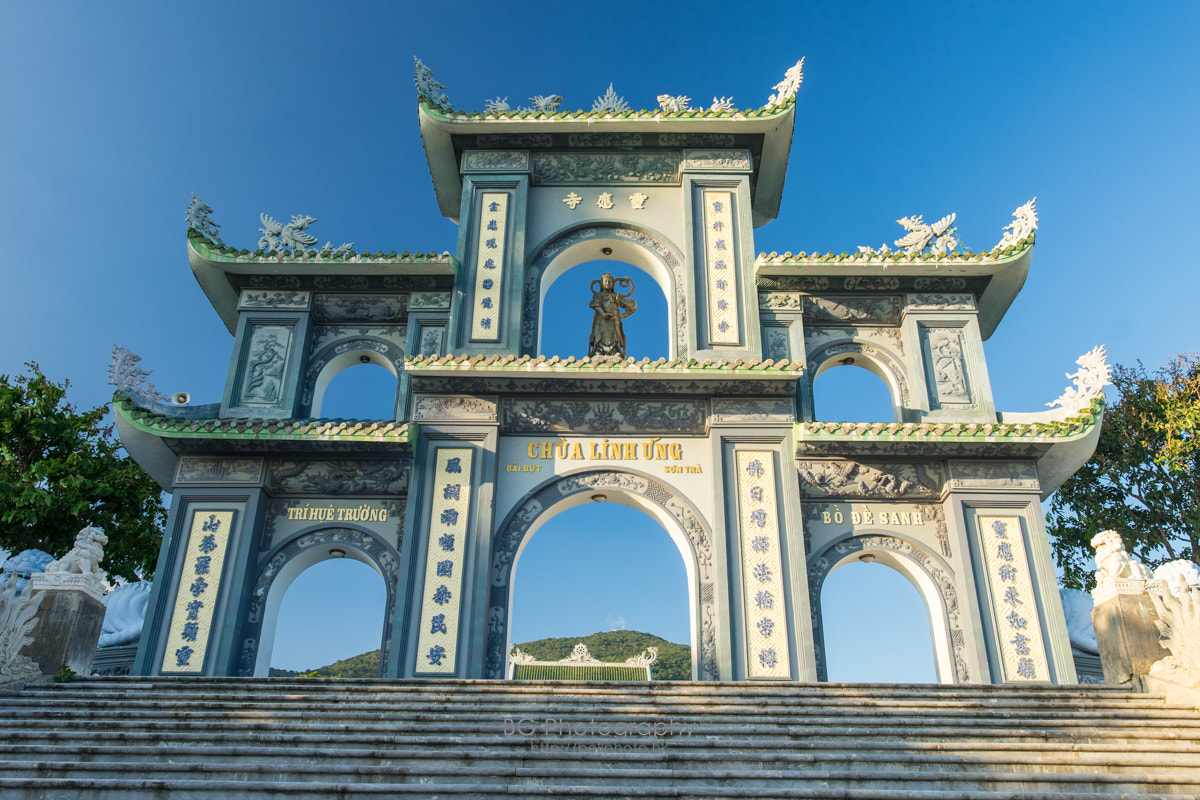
199,219
940,237
1090,380
128,377
427,87
1025,222
645,658
610,102
497,106
517,656
277,235
545,104
722,104
786,89
580,655
670,103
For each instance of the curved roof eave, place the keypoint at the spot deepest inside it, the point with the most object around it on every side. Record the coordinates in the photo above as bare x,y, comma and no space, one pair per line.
1007,269
212,268
774,125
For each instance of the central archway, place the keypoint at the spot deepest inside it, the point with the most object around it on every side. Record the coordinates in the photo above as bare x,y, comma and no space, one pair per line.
643,249
626,487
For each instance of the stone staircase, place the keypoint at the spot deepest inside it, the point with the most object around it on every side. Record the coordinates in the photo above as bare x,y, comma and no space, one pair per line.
103,738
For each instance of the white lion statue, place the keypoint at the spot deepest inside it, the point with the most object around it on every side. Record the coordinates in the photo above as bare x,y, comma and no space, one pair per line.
85,556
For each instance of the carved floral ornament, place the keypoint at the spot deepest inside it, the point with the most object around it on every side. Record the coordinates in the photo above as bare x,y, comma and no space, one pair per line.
1089,381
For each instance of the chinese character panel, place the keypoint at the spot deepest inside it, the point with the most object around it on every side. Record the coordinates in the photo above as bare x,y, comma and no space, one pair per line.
721,267
1018,622
199,585
762,573
444,563
489,267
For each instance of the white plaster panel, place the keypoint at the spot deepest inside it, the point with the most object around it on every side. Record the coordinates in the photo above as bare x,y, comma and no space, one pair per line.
199,588
767,651
720,253
1018,625
442,601
489,266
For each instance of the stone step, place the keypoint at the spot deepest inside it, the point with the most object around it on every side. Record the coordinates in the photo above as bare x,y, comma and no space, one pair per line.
1029,758
123,789
681,775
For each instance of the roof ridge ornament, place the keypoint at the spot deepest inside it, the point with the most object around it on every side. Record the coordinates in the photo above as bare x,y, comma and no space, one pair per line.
1089,381
1025,222
940,237
427,87
786,89
722,104
199,219
610,101
130,379
673,103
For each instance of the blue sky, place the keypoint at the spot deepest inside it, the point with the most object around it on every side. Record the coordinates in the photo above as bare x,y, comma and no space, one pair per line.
113,113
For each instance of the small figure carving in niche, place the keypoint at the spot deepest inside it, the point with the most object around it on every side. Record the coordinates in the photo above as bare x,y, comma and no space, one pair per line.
608,332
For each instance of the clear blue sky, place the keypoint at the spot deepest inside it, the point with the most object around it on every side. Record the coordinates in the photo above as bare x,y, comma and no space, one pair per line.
112,113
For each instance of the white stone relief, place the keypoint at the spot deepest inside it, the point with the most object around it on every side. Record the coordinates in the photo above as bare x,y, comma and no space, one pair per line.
497,106
1089,381
1025,222
18,618
518,656
722,104
580,655
949,367
645,658
940,237
787,88
265,361
545,103
1179,628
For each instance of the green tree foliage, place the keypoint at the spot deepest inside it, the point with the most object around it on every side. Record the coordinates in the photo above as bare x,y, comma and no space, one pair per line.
1143,480
61,470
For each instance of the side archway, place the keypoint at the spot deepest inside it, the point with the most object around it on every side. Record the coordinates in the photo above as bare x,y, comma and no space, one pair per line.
342,354
875,360
643,249
932,578
285,564
681,521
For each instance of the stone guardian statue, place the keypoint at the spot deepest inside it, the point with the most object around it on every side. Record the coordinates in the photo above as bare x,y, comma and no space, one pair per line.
608,332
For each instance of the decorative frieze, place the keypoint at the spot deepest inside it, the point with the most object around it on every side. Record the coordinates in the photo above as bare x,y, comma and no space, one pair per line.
775,343
721,267
854,479
429,301
1014,605
214,469
373,308
274,300
598,416
992,475
495,161
325,335
581,169
775,410
717,160
449,514
489,266
198,592
762,570
454,407
940,302
332,477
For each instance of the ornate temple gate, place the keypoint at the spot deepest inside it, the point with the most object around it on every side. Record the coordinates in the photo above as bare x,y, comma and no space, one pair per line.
492,437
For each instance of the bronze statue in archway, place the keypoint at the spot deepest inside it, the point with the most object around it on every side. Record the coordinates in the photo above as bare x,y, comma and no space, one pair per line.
608,332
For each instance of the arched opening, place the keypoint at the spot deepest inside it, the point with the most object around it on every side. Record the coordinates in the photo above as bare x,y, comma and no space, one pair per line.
602,567
876,627
356,385
344,582
331,611
567,319
853,395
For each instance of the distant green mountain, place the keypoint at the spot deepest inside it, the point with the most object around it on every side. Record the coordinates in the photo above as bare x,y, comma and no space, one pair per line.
674,660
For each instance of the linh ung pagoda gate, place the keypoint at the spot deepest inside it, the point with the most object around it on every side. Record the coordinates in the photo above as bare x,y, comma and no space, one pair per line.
492,437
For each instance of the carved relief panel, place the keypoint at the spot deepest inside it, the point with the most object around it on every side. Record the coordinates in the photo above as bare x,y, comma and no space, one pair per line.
266,362
945,366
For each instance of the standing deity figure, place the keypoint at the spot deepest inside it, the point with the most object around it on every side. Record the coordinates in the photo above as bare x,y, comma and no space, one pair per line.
608,332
